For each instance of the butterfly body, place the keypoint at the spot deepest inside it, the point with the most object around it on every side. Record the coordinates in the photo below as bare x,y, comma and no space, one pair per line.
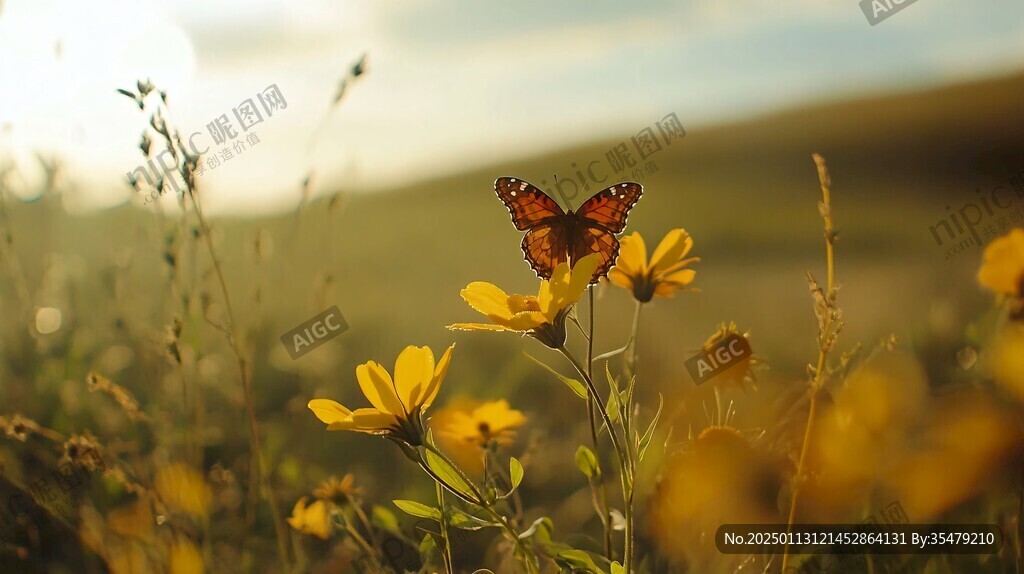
554,235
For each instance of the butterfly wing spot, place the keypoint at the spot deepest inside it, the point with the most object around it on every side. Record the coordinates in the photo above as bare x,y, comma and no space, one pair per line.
512,193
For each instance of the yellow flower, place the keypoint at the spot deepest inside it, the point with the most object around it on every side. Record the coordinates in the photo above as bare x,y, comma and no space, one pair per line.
314,519
666,271
398,404
1008,360
1003,269
541,317
337,490
722,477
740,371
184,489
492,421
184,558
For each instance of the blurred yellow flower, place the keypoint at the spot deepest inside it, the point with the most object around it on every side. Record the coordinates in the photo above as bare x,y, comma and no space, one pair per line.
664,275
740,372
1003,268
314,519
864,430
1008,360
492,421
134,520
722,477
398,404
184,558
184,489
541,317
337,490
971,443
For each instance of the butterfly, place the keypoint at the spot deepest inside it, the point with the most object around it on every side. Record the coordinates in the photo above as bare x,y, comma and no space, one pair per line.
555,236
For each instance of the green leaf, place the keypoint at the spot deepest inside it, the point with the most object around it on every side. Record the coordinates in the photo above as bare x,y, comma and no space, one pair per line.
448,474
540,532
537,525
574,385
645,440
384,519
577,560
586,461
614,406
515,470
418,510
618,351
617,568
429,550
465,521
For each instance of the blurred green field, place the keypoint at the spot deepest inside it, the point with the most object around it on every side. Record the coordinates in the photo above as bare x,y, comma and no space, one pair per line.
394,263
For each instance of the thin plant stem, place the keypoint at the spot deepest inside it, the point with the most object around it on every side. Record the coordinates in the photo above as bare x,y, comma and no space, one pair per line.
477,499
1020,524
599,490
365,546
827,330
633,339
447,554
625,476
233,340
185,165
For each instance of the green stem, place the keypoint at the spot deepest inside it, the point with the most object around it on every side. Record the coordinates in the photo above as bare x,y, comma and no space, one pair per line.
625,476
599,490
365,546
447,554
480,500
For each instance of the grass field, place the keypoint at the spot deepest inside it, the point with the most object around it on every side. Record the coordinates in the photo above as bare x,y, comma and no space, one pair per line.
394,263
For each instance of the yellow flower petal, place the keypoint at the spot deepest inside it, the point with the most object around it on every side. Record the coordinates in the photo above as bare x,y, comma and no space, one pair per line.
619,277
526,321
675,245
1003,269
632,255
499,416
681,264
378,387
372,419
183,489
346,424
313,519
553,293
545,297
439,372
328,411
477,327
184,558
414,370
582,273
680,278
487,299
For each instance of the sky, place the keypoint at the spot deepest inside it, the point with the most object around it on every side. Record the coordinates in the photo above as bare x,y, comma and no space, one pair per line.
450,84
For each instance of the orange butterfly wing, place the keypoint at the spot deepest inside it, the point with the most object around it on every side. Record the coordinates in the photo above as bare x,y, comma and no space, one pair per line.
599,219
546,243
610,207
528,205
546,246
